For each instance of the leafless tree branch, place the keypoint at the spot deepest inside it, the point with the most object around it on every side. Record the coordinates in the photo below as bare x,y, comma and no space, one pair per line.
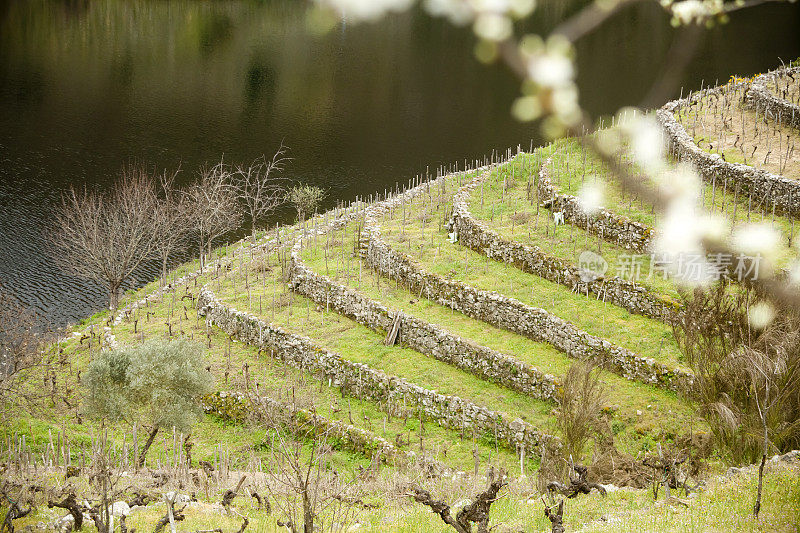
259,187
213,207
106,236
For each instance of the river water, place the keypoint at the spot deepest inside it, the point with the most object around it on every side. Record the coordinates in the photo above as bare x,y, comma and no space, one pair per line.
88,85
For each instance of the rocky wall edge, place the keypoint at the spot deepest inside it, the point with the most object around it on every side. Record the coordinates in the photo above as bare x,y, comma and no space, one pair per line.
512,315
422,336
362,381
612,227
629,295
765,186
762,99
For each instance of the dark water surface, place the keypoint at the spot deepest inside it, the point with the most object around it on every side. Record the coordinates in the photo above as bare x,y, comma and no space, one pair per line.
86,86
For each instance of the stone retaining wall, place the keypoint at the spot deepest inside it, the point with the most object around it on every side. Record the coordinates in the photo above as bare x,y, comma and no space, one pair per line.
629,295
612,227
236,406
364,382
421,336
764,186
764,100
511,314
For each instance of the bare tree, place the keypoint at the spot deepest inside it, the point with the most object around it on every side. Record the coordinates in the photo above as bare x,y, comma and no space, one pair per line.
23,340
259,188
555,513
302,490
213,207
581,398
477,512
106,236
577,485
172,216
14,510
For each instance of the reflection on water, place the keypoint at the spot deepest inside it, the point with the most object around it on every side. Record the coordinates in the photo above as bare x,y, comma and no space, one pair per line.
87,86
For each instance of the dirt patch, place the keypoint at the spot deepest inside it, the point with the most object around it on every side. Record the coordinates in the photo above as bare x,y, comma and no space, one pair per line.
722,125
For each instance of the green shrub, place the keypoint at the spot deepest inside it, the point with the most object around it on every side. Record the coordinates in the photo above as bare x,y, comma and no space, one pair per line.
306,199
157,382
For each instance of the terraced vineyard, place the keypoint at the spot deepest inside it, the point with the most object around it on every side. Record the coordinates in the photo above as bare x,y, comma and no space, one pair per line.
431,331
434,252
634,426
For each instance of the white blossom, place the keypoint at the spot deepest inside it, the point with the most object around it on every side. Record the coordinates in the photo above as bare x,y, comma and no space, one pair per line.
496,15
590,197
758,240
646,139
681,184
565,99
689,11
366,10
494,6
551,69
794,274
678,232
493,27
682,233
526,108
608,141
760,315
522,8
457,11
550,77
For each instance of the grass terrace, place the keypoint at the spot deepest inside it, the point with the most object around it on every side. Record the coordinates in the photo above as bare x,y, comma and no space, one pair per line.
433,250
512,213
260,289
235,365
229,362
725,506
254,282
643,413
505,203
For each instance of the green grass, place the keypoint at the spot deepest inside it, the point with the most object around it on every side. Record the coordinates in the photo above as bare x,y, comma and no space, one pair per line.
663,415
638,426
505,205
574,166
360,344
432,249
291,385
227,359
725,507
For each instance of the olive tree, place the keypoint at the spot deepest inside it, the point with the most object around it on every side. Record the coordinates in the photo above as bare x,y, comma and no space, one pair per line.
158,383
306,199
